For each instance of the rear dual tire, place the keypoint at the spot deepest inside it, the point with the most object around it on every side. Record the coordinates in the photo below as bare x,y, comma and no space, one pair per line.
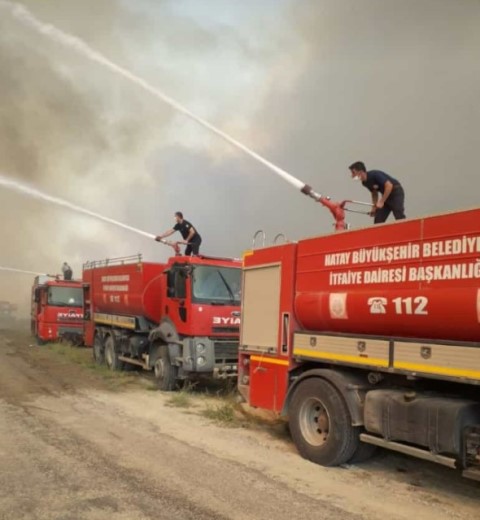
111,355
98,350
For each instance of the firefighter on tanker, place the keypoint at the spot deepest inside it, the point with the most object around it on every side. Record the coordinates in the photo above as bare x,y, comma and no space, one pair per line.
67,271
191,237
376,181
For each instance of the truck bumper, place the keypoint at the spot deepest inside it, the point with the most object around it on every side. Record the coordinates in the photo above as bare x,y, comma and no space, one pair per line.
205,355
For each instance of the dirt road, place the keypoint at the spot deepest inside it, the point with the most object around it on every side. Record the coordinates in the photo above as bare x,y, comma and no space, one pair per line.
71,447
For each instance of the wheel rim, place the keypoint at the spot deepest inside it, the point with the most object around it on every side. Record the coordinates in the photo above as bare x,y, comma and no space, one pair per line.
314,422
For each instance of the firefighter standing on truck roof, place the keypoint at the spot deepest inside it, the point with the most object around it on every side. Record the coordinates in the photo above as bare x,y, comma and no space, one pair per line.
67,271
376,181
189,233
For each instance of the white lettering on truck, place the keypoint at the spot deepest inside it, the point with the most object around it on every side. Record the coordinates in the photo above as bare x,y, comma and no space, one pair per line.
220,320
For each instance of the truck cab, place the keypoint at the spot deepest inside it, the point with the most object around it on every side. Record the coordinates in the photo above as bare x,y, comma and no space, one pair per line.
57,310
203,303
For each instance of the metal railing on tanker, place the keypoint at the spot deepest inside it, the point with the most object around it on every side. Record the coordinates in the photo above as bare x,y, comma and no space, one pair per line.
123,260
276,241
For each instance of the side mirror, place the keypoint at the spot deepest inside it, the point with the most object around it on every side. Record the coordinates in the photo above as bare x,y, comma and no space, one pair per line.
187,271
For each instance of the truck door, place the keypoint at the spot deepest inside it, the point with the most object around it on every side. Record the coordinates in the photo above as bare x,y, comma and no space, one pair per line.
36,309
88,321
178,294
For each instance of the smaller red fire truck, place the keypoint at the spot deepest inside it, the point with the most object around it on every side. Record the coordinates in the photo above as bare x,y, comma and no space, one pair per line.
180,318
57,310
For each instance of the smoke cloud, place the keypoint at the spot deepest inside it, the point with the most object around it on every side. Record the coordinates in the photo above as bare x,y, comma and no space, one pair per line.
312,85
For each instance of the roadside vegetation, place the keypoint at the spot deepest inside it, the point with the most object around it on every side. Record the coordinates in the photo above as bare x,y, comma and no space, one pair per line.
217,401
70,354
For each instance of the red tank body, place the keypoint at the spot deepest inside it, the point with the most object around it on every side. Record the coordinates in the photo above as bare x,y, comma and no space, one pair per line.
420,279
129,289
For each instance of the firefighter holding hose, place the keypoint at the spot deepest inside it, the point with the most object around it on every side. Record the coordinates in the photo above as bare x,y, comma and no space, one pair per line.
67,271
191,237
392,198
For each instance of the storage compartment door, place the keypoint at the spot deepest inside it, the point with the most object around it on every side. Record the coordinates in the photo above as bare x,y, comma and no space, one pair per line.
261,308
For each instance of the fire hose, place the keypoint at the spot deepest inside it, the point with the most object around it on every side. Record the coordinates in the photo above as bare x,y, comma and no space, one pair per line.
174,245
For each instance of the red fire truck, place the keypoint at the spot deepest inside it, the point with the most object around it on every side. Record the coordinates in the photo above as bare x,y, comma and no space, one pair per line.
370,338
180,318
57,310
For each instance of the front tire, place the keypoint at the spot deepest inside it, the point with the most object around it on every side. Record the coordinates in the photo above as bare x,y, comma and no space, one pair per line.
165,373
40,342
111,355
320,423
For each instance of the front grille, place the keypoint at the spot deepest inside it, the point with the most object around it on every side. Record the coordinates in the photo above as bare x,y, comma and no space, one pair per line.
64,331
226,352
226,330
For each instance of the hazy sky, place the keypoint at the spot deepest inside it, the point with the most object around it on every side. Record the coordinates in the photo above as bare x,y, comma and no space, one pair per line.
311,85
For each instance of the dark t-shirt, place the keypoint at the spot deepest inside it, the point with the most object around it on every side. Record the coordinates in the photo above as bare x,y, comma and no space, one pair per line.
184,228
376,180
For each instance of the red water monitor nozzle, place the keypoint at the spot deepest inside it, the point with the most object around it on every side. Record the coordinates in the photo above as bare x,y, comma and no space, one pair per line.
337,209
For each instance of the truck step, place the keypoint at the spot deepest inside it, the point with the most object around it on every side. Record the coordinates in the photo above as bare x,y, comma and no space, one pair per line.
472,473
133,361
409,450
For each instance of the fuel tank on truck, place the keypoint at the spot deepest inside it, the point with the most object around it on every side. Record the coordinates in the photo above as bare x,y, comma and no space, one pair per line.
416,278
133,289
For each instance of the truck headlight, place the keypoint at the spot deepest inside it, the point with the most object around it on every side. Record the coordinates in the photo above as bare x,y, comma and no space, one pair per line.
200,348
201,361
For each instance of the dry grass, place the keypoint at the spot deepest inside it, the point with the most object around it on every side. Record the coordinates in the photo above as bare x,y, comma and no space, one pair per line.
229,412
224,414
82,356
215,400
180,399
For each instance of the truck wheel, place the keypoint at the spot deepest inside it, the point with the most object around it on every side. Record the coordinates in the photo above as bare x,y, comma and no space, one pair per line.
320,424
363,452
165,372
111,355
98,350
40,341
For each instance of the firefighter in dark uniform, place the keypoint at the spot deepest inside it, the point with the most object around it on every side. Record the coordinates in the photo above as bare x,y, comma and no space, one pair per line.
190,235
67,271
376,181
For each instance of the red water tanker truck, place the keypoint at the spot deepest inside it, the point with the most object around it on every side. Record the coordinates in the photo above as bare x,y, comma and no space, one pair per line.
57,310
370,338
180,319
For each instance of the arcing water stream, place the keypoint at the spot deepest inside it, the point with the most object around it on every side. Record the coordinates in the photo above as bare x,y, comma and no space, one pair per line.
26,17
21,271
37,194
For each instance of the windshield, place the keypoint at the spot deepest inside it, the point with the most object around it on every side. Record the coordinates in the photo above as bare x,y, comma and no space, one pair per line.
217,284
65,296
